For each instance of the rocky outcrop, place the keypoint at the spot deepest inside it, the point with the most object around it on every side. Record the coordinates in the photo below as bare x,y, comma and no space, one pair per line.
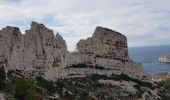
2,97
43,50
161,77
36,50
39,52
165,59
105,42
11,44
105,53
100,64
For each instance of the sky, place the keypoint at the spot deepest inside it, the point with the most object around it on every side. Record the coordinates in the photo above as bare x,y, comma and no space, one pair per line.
144,22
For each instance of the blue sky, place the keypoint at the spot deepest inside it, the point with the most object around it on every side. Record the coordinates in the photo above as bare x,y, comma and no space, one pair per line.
144,22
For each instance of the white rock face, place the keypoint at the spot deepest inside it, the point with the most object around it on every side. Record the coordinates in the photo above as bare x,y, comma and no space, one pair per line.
38,51
165,59
105,42
43,50
11,44
2,97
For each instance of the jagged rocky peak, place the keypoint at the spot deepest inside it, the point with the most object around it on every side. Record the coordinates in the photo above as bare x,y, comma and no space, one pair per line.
105,53
101,63
11,29
101,31
35,25
10,32
43,31
42,48
39,29
11,46
37,49
105,42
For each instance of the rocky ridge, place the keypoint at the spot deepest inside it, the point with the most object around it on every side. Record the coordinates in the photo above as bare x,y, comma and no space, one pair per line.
100,67
38,51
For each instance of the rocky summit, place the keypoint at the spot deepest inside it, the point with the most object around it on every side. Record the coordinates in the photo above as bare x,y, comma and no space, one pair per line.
38,51
100,68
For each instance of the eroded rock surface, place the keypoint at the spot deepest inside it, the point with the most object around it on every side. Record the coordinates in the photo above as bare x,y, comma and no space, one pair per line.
38,51
100,65
11,44
105,42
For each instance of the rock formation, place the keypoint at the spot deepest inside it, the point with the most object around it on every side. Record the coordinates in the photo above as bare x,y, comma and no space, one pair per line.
105,42
38,51
101,60
2,97
105,53
164,59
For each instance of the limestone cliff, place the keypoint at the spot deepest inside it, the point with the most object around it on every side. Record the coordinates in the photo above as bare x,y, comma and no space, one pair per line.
100,67
105,42
164,59
36,50
39,52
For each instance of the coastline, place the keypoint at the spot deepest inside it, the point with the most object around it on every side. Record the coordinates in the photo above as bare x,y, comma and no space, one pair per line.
161,76
164,59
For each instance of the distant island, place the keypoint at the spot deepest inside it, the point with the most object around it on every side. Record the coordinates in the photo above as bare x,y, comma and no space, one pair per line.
165,59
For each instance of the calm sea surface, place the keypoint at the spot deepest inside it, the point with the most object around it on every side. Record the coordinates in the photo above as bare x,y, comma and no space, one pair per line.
148,56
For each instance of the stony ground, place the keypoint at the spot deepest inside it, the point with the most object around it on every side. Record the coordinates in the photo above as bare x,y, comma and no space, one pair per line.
91,87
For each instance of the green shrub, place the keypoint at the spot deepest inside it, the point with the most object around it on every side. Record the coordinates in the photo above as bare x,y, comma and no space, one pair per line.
166,92
24,89
139,82
2,73
2,78
47,85
166,83
18,88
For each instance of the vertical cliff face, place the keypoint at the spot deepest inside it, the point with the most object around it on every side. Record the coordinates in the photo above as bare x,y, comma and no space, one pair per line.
107,52
11,44
43,50
38,50
105,42
99,69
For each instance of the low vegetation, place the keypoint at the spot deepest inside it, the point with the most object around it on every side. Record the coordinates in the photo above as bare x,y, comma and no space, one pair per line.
86,88
2,77
166,85
89,88
17,88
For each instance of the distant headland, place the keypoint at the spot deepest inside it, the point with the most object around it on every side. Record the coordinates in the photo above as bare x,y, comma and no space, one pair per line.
164,59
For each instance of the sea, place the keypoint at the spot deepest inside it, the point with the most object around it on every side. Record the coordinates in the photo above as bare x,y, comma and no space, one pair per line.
148,56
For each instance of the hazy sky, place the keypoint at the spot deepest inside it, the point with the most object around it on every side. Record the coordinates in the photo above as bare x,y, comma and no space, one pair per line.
144,22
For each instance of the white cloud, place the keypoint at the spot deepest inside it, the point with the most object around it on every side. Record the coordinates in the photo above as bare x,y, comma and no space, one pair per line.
76,19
